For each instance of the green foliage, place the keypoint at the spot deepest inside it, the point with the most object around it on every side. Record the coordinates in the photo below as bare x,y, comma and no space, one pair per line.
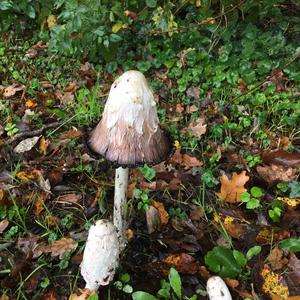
229,263
11,129
222,261
292,244
123,283
140,295
143,198
294,189
276,210
148,172
177,212
252,199
171,289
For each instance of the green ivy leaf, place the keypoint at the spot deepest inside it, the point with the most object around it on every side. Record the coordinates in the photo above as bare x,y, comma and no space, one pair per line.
256,192
221,260
292,245
252,252
245,197
175,282
253,203
148,172
140,295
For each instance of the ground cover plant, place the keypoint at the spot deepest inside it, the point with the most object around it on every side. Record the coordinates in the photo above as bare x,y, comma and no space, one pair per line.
226,77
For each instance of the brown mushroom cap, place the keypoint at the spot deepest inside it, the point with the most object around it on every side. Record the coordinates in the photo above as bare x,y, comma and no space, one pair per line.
129,132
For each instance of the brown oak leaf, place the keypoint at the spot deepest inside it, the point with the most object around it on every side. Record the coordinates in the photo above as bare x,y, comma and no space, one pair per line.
231,189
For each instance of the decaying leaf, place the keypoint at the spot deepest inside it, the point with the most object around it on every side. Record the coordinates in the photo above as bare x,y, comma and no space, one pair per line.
26,145
12,90
164,216
273,173
276,259
153,219
3,225
190,161
273,284
198,127
269,235
184,160
57,248
282,158
183,262
43,145
293,275
231,189
71,198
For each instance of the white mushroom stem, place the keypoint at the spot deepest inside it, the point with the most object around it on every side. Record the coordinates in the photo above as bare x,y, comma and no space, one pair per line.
120,204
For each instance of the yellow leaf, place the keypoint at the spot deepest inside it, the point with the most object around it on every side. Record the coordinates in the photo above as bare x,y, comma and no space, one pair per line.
51,21
116,27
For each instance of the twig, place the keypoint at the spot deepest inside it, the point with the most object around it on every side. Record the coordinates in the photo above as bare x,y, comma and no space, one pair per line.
27,134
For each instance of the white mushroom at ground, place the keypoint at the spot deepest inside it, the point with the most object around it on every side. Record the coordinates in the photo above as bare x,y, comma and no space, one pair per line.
101,255
129,134
217,289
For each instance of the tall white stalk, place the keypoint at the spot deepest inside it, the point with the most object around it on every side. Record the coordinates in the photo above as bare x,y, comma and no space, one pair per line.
120,204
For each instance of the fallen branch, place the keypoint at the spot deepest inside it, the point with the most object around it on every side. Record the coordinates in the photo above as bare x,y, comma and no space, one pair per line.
31,133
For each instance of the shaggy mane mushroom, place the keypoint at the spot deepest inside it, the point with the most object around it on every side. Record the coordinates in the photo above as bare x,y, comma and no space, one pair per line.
129,135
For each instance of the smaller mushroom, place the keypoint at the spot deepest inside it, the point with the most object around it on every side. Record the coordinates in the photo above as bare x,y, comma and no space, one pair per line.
217,289
101,255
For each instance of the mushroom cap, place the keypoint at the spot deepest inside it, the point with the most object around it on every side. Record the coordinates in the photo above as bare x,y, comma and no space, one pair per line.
129,132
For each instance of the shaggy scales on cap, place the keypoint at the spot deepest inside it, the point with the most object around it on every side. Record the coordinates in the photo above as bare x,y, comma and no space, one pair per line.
129,131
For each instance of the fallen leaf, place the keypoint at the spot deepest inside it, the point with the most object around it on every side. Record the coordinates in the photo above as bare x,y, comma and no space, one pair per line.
50,295
38,204
30,104
43,145
268,235
183,263
231,189
28,175
26,145
193,92
179,108
190,162
4,297
293,275
273,284
164,216
71,198
27,244
12,90
191,109
273,173
3,225
198,127
276,259
153,219
57,248
129,234
72,87
282,158
71,134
